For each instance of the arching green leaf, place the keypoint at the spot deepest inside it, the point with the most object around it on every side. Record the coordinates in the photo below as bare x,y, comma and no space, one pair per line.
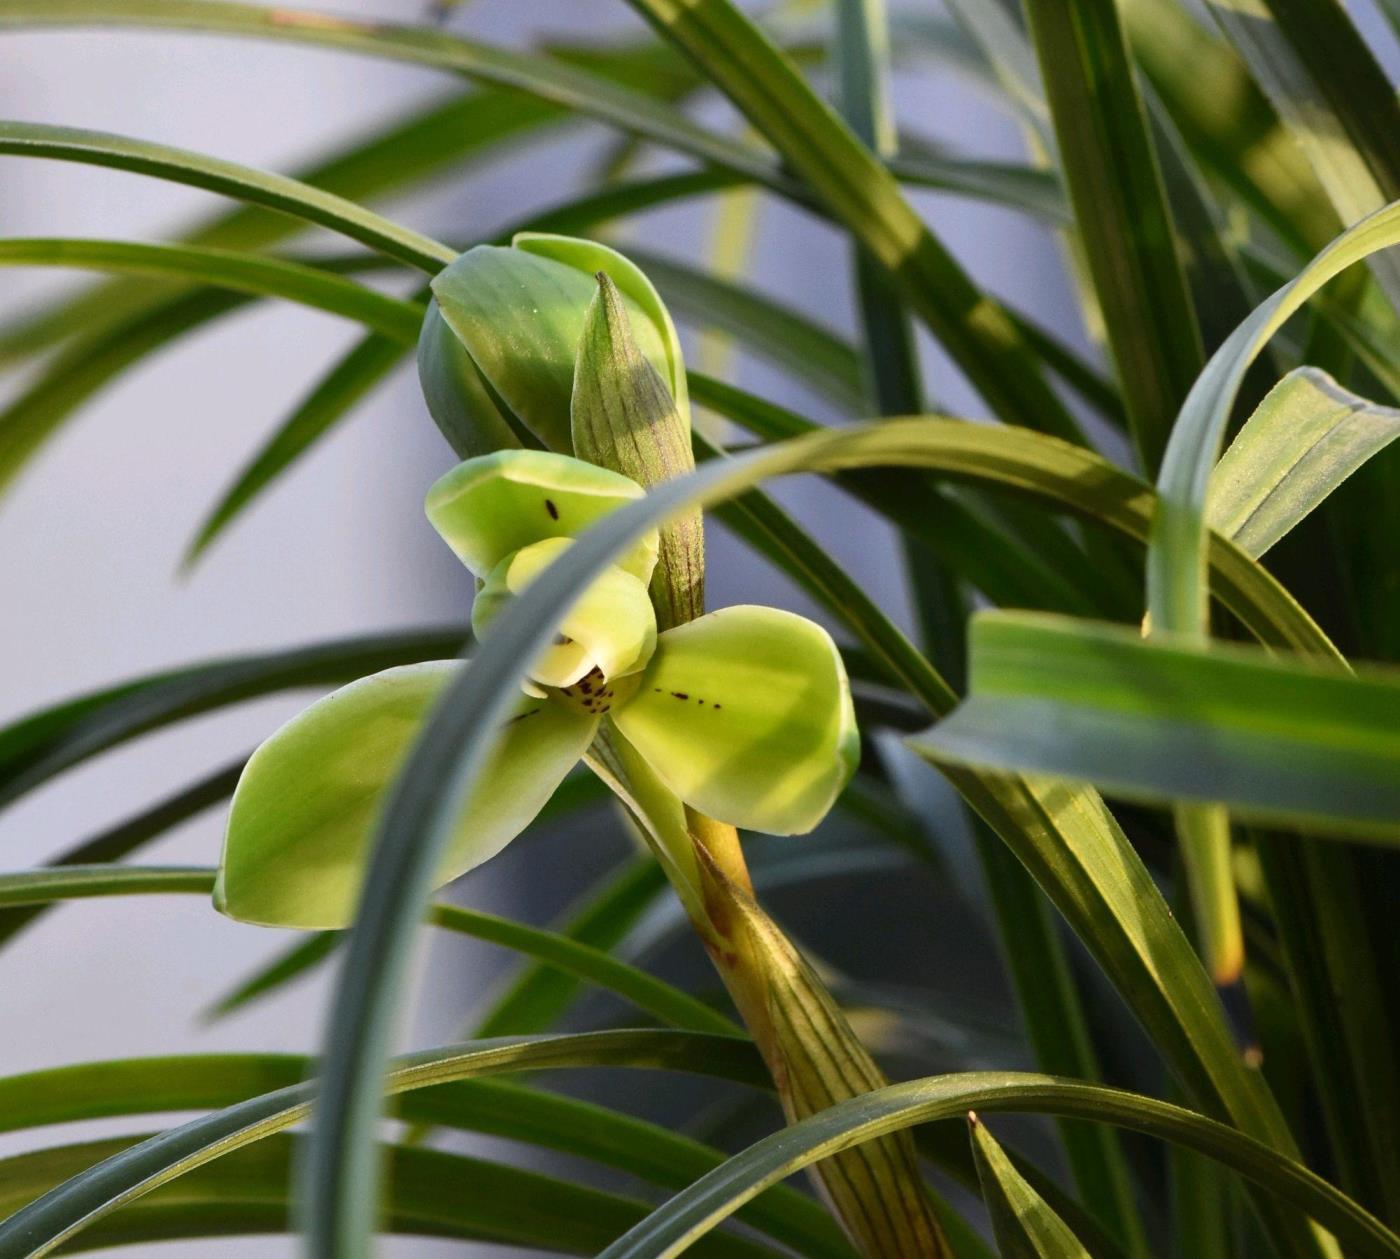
1275,738
43,744
1302,442
245,273
277,192
1024,1225
125,1175
688,1216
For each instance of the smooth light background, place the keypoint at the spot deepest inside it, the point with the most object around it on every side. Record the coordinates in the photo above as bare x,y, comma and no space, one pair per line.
91,537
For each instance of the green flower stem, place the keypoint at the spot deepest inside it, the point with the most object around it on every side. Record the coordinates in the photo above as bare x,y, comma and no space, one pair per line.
815,1058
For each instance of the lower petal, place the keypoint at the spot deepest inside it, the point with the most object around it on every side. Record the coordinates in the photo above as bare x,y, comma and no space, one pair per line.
746,714
303,815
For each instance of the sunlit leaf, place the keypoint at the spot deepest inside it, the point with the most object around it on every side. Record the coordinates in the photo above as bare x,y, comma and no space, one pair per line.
1025,1227
1275,738
689,1215
1302,442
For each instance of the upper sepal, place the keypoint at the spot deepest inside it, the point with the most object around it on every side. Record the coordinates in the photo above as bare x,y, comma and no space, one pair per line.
519,312
457,397
304,812
487,508
746,714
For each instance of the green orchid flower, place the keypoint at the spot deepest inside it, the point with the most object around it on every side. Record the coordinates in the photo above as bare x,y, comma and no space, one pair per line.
744,713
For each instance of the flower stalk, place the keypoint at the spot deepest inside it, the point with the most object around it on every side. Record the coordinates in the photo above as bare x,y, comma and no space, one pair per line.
625,418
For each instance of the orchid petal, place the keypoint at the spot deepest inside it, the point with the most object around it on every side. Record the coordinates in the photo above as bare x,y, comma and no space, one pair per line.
303,814
746,715
489,507
611,627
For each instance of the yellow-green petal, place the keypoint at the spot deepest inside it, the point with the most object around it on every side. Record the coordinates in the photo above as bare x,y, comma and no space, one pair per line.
611,627
746,714
489,507
303,814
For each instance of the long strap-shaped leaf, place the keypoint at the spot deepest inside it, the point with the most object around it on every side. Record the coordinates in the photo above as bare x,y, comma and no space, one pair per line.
1176,560
1120,208
1081,859
689,1215
1024,1224
432,1194
35,748
148,1086
446,137
548,78
665,1001
198,170
1339,105
126,836
1233,132
223,268
59,1214
1300,444
862,195
1277,739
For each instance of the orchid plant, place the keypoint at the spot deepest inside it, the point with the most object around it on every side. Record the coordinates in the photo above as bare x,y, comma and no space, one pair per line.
1205,954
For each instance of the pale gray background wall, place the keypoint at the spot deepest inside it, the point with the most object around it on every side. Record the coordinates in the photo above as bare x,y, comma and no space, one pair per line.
90,538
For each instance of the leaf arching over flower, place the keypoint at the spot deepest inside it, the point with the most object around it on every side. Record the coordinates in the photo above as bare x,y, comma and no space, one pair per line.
746,714
303,813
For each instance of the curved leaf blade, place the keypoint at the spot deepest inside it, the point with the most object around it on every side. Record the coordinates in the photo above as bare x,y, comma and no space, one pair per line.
198,170
37,747
1023,1223
1069,839
1306,437
1160,719
222,268
689,1215
130,1173
578,960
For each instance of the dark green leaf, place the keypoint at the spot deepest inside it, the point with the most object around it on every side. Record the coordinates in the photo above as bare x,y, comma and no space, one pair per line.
276,192
35,748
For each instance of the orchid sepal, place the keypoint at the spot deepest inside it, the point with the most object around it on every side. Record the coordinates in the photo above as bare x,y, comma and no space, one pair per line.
487,508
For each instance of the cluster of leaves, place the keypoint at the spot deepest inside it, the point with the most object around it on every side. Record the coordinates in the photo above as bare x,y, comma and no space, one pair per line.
1211,176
